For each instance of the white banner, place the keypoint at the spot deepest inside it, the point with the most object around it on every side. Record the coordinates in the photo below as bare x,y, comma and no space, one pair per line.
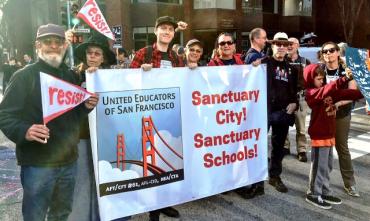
59,96
91,14
170,136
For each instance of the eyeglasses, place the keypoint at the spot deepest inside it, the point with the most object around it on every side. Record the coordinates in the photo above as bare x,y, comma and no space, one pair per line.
49,41
96,53
223,43
195,50
331,50
279,44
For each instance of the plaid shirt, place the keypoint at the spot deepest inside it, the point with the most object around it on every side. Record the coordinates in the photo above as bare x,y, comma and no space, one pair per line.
156,57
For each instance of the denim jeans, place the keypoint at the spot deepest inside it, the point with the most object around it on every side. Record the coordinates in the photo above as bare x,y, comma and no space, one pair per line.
47,192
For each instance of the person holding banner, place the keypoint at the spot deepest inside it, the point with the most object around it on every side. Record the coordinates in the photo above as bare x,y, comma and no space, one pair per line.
47,154
193,53
255,56
226,51
334,68
160,55
94,54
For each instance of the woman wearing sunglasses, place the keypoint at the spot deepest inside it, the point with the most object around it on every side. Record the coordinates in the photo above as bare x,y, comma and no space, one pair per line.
334,68
226,51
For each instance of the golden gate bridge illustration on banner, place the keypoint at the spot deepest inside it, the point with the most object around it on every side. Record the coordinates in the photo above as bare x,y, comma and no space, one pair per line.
149,150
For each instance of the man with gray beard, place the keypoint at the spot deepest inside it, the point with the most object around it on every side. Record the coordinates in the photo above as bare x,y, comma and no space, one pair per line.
46,153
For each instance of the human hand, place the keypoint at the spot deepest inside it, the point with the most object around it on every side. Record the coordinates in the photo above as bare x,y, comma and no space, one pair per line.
69,36
192,65
38,133
256,62
91,69
291,108
92,101
147,67
349,74
181,26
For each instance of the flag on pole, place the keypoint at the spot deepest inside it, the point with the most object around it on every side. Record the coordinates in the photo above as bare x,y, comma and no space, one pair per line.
59,96
91,14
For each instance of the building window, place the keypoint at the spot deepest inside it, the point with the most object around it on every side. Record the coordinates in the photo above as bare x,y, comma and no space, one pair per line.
252,6
270,6
143,36
297,8
157,1
222,4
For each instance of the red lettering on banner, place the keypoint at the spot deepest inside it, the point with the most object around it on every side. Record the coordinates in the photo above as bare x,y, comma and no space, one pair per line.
215,161
92,11
90,2
65,97
97,18
230,116
228,97
232,137
51,94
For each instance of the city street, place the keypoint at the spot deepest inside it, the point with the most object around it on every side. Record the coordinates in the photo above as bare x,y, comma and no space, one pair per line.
271,206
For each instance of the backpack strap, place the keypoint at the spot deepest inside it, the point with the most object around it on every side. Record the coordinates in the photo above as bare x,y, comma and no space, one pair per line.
174,55
148,55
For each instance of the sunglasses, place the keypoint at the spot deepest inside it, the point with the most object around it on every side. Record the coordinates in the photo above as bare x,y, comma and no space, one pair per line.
331,50
49,41
279,44
223,43
195,50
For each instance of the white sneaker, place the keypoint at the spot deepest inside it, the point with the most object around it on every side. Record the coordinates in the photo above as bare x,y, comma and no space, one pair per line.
352,191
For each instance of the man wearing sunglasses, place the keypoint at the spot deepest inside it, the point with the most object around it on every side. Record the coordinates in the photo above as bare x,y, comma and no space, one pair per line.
299,63
281,103
47,154
226,51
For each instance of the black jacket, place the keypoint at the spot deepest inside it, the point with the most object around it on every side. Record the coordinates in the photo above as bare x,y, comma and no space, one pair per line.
282,84
21,108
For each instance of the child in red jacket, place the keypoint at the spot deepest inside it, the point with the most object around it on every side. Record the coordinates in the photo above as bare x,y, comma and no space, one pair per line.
321,98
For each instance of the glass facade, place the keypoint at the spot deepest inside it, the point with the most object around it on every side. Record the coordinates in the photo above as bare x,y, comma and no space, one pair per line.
252,6
297,8
221,4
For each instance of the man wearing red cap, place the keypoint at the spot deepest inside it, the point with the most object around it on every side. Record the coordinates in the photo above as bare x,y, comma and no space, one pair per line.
47,154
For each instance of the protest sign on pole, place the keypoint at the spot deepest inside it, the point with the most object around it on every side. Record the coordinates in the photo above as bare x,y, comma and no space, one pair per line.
91,14
59,96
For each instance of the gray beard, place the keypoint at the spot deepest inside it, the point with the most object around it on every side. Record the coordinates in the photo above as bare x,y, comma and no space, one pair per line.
52,60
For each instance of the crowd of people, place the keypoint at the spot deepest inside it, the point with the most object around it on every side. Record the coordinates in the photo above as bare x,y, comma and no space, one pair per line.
53,159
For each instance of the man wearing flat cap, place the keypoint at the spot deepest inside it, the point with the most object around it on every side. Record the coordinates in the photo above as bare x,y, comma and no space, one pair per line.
46,153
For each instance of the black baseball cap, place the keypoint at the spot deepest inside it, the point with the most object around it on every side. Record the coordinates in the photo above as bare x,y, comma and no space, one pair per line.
166,20
50,30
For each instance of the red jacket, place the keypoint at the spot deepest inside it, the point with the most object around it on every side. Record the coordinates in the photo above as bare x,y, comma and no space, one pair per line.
321,100
218,62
